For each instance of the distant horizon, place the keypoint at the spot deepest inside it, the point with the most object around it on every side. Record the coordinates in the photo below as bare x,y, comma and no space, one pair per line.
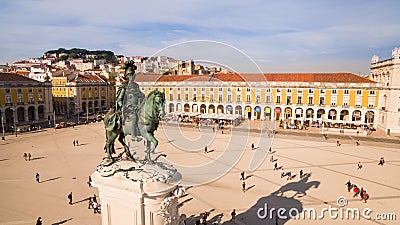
314,36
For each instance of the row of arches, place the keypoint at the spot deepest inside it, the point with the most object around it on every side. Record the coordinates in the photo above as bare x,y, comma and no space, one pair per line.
278,112
23,114
73,108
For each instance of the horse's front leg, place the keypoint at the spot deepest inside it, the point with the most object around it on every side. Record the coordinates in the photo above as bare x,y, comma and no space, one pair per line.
154,143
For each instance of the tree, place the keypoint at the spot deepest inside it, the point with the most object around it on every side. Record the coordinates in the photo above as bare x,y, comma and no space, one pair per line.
63,57
73,55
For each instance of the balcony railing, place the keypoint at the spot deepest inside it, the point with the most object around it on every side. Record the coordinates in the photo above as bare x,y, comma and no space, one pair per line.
9,104
40,102
20,103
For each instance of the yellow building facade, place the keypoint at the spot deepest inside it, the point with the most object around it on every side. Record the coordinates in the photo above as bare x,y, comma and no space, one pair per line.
23,100
74,94
330,97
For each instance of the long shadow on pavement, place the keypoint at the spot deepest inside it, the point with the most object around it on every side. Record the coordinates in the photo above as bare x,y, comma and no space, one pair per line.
54,178
37,158
83,200
61,222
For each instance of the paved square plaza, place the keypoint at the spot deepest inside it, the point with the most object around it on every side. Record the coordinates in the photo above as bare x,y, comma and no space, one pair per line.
65,168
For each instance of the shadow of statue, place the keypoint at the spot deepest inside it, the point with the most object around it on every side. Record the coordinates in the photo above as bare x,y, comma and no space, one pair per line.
61,222
286,197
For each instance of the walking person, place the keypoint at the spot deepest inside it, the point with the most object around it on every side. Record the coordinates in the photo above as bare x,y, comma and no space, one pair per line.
94,198
74,142
289,174
270,151
301,174
95,207
356,191
29,156
362,193
242,175
77,142
359,166
90,203
381,161
366,196
39,221
70,198
275,166
338,143
205,215
358,143
37,177
25,155
252,146
89,181
272,159
233,215
244,186
205,150
349,185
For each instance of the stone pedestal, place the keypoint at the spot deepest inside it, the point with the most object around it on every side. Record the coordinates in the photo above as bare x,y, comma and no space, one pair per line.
130,195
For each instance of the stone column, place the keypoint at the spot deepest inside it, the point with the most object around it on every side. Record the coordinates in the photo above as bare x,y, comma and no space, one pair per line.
26,114
36,113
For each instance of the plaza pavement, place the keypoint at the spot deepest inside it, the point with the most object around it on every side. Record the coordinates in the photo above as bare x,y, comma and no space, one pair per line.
65,168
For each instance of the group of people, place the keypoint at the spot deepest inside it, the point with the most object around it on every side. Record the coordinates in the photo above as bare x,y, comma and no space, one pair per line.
75,142
93,204
283,173
27,156
357,191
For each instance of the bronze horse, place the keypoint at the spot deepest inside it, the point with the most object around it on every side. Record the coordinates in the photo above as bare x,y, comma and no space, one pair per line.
150,112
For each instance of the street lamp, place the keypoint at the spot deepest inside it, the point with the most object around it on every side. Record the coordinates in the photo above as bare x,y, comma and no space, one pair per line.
2,125
15,126
77,109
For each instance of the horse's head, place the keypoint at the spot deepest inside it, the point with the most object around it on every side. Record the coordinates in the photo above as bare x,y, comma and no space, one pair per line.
158,103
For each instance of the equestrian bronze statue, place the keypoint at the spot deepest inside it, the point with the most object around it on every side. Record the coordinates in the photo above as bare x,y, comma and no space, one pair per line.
133,114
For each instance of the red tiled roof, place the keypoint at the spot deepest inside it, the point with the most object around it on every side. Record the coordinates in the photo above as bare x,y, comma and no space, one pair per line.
89,79
12,77
269,77
23,73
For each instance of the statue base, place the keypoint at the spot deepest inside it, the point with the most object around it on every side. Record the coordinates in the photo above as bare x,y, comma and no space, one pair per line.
134,194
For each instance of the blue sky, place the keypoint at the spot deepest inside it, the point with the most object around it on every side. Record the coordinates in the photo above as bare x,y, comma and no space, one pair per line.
280,36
